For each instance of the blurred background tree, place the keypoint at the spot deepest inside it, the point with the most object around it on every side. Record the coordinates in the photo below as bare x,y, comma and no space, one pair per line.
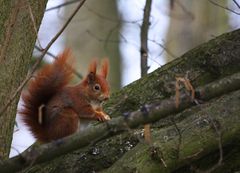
192,23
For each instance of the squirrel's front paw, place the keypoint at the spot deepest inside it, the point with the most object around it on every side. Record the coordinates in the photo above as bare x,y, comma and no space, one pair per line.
101,116
107,117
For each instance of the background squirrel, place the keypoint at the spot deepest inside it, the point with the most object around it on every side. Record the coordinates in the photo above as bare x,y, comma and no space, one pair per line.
53,110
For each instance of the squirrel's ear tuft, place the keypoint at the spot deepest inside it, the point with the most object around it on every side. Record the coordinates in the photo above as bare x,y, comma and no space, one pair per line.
92,68
91,78
105,67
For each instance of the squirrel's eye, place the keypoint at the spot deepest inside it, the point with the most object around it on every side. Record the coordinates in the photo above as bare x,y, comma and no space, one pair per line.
97,87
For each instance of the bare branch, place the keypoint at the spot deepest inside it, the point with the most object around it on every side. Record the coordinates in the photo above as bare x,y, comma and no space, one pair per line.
144,37
54,57
111,19
236,3
164,48
33,22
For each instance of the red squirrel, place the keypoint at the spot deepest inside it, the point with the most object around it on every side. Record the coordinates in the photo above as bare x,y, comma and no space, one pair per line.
53,110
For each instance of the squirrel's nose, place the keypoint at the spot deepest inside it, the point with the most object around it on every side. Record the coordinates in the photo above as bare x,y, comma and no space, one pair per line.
106,98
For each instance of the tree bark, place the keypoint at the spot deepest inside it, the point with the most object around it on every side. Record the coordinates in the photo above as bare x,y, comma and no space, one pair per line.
202,128
190,142
17,39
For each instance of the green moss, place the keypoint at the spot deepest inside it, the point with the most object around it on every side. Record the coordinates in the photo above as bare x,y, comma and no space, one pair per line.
93,158
199,144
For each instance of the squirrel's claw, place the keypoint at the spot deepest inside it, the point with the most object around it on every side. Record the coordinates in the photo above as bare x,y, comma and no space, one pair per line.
107,117
101,116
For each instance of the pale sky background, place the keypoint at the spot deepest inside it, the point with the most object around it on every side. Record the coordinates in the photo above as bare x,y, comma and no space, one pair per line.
131,66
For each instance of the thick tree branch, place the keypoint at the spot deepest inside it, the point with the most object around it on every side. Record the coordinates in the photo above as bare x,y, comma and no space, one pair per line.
200,150
150,113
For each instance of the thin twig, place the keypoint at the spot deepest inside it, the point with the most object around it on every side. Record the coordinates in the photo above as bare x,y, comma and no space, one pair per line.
236,3
110,34
122,40
179,137
15,149
34,22
100,39
219,138
62,5
10,100
55,57
226,8
94,12
185,10
218,131
187,14
119,21
164,48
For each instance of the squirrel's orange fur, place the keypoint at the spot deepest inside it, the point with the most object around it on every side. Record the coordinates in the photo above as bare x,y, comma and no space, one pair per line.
52,109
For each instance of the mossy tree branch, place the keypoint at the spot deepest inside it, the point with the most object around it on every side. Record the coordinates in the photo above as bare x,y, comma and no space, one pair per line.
148,113
199,149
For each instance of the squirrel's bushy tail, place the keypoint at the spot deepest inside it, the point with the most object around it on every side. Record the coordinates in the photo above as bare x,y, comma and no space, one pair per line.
44,85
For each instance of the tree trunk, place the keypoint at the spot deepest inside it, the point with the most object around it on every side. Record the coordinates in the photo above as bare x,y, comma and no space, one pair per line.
192,23
17,38
184,142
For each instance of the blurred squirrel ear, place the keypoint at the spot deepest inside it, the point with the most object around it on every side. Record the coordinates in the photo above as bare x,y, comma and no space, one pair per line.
92,68
91,77
105,67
